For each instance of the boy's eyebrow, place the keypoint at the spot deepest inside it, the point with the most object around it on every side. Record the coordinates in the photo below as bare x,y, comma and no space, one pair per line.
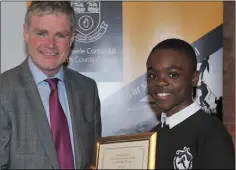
175,67
150,68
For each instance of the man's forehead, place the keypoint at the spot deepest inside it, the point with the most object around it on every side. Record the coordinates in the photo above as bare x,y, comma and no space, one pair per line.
49,16
35,23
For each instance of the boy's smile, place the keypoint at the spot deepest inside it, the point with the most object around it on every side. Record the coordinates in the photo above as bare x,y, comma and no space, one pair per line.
170,80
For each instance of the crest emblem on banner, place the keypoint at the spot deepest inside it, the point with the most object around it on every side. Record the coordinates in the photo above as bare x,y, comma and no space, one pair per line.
88,25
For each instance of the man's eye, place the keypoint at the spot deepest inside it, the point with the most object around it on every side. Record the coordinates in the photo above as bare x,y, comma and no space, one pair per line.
173,75
41,33
61,36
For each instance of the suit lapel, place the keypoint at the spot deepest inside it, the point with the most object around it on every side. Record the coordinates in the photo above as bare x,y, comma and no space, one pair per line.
75,100
38,113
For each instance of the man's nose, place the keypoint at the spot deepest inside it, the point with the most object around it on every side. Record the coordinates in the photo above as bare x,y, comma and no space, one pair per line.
51,42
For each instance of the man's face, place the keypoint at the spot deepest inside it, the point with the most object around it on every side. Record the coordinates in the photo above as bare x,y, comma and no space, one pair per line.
48,39
170,80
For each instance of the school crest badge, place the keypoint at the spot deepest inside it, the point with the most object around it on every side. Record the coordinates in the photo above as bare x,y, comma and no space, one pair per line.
88,25
183,159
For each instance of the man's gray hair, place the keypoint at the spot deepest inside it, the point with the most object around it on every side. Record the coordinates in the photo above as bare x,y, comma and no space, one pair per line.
50,7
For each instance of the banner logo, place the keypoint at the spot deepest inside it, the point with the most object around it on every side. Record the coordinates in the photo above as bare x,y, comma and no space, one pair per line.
88,16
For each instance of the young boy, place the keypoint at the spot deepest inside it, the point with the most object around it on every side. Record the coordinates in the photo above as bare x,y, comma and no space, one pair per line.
188,138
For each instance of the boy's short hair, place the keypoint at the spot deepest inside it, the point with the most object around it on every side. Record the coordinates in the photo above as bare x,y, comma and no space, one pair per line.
181,46
49,7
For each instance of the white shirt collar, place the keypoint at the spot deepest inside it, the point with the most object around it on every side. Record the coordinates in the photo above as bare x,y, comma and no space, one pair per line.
39,76
180,116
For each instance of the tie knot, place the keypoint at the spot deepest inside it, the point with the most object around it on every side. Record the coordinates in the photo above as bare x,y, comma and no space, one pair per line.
52,83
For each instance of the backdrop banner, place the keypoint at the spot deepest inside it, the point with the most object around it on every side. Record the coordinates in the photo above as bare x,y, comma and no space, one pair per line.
114,39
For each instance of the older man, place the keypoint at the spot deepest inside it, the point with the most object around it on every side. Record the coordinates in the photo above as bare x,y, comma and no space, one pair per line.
50,115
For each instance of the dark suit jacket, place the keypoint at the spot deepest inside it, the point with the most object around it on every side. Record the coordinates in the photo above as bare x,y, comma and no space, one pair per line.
25,137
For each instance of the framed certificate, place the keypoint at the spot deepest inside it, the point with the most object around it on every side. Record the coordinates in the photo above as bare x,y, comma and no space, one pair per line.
137,151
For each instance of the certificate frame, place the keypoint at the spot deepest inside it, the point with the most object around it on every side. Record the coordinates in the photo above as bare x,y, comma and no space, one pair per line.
132,139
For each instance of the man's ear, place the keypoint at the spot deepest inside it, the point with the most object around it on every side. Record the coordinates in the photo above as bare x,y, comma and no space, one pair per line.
72,39
26,33
195,78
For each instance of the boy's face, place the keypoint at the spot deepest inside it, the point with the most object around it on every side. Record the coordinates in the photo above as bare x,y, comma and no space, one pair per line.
170,80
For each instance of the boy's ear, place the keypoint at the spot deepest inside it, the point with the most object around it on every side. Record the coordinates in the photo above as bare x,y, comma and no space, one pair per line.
195,78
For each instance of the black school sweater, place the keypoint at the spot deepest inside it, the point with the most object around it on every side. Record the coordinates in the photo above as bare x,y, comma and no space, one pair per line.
199,142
